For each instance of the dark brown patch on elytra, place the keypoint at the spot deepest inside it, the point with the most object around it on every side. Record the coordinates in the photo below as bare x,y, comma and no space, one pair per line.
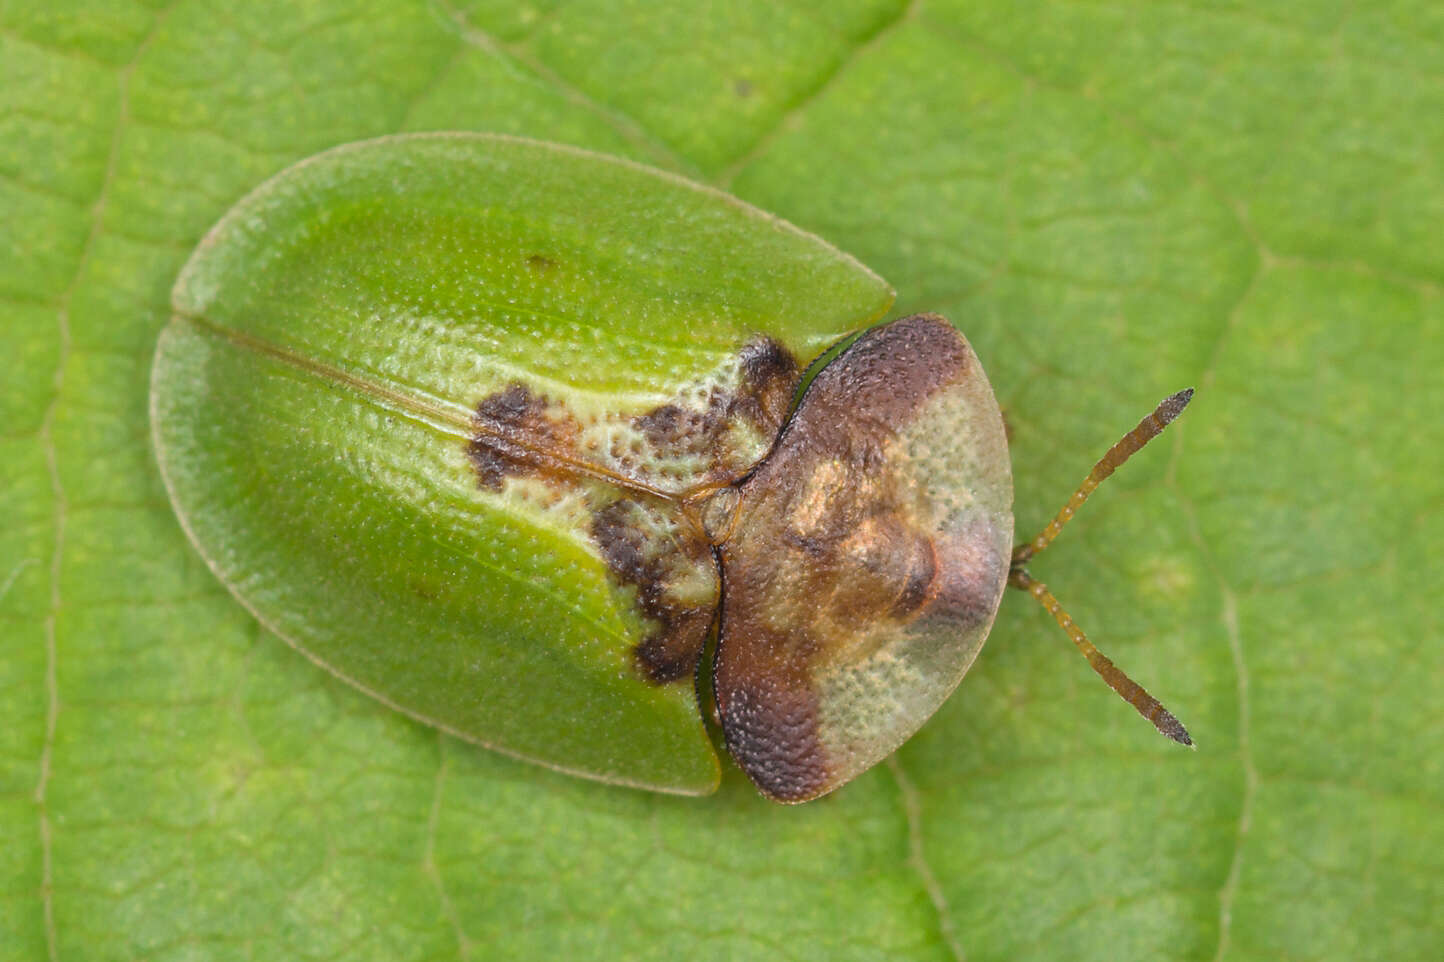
671,650
516,435
668,424
648,540
540,263
768,377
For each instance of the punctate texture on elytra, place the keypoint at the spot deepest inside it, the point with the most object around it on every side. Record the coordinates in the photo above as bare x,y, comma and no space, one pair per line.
503,432
428,405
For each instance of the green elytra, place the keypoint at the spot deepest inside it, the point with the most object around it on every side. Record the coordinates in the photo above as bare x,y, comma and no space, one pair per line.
457,415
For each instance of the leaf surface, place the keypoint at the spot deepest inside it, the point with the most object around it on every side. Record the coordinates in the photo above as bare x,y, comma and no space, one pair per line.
1111,201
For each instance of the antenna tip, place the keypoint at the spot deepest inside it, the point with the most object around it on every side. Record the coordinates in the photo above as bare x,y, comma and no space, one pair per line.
1172,727
1173,405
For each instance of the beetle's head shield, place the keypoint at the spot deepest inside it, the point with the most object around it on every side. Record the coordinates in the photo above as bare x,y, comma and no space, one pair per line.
867,562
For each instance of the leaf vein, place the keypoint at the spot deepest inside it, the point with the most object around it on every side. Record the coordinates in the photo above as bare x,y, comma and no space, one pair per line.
517,56
428,857
1228,614
57,488
917,860
791,115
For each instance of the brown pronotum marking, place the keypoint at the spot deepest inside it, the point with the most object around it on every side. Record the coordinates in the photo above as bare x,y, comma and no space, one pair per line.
831,553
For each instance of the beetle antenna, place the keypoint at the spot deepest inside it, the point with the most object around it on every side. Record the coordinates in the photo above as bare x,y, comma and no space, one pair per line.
1128,689
1128,445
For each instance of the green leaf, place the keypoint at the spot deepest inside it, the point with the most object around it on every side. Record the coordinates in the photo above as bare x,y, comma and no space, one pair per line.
1111,201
